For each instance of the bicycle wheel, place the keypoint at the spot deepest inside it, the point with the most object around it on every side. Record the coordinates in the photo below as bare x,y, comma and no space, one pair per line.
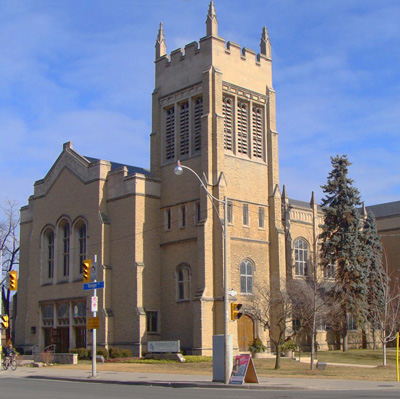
13,364
5,364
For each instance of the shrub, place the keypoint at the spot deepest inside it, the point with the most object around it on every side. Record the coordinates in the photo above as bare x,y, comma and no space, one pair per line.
83,353
116,353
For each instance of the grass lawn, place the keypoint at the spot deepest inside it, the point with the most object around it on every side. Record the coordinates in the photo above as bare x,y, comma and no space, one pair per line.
265,367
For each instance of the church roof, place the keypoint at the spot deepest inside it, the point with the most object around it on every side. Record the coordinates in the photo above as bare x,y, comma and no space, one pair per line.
131,169
385,210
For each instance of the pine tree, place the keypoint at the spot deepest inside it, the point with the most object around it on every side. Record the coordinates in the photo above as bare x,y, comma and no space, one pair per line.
341,243
377,279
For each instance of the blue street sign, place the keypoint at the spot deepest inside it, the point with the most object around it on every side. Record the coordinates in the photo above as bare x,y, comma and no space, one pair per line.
93,286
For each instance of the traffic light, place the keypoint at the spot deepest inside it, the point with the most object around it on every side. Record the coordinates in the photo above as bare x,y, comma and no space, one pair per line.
87,266
4,321
13,280
235,311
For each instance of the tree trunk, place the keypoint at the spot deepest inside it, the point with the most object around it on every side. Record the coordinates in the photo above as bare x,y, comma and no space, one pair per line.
278,357
384,353
345,340
373,339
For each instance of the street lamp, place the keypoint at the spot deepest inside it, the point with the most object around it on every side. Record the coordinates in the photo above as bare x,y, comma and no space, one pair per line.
178,170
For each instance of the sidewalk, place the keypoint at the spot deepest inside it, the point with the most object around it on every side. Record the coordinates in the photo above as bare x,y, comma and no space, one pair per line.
198,381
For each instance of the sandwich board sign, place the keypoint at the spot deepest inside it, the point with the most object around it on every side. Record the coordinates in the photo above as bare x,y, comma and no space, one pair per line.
243,370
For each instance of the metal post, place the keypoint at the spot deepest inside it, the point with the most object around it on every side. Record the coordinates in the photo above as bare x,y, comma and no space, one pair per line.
226,298
94,346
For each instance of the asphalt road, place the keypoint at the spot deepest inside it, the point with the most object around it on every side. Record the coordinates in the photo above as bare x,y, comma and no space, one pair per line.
18,388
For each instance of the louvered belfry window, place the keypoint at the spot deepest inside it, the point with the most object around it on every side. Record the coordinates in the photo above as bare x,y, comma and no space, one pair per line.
184,129
170,133
258,147
227,111
242,127
198,113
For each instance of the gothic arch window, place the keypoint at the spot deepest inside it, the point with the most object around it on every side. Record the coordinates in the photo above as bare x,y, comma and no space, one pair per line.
258,131
48,315
64,241
198,113
184,129
227,111
183,274
170,133
301,253
48,252
246,276
80,237
242,127
63,314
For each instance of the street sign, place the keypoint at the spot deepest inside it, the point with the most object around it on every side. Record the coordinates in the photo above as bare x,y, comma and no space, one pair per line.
95,303
92,323
93,286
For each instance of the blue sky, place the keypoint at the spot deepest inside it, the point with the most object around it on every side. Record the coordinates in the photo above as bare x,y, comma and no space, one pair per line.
83,71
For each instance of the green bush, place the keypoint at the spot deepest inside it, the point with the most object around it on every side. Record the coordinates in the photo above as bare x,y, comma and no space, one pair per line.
83,353
116,353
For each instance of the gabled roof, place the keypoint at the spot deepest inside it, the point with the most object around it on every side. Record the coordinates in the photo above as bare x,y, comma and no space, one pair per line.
385,210
115,165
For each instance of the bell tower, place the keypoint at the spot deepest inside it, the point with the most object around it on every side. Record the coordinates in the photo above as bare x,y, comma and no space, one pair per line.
213,109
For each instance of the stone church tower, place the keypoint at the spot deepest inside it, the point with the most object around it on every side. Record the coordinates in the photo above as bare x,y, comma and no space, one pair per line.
214,110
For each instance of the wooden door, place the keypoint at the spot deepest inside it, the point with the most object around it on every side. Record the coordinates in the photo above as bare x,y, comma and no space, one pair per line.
245,333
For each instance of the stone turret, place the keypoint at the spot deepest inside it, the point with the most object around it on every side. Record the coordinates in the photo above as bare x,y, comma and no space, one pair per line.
212,23
161,47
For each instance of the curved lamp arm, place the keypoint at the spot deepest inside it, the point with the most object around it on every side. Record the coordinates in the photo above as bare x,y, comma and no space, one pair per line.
178,171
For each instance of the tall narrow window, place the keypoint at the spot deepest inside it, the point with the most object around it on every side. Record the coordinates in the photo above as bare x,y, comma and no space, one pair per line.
246,277
170,133
82,246
66,247
182,216
245,214
184,129
258,129
198,212
230,212
329,271
152,321
227,111
50,254
300,257
198,113
168,219
242,127
183,282
261,217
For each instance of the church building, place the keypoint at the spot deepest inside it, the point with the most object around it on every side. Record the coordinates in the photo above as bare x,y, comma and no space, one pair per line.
158,237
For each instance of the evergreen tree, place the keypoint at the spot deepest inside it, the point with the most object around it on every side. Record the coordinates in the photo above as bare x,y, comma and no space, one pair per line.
377,279
341,243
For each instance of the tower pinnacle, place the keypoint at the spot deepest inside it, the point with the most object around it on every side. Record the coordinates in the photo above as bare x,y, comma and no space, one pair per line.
212,23
161,47
265,45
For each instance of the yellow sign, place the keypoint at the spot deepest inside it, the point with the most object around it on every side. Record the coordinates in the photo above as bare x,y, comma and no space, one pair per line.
92,323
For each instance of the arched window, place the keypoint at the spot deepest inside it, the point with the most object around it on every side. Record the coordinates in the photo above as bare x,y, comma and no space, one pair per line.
301,257
183,282
49,253
65,234
48,315
63,314
246,276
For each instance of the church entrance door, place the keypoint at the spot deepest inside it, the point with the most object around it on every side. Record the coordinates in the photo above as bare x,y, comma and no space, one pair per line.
245,333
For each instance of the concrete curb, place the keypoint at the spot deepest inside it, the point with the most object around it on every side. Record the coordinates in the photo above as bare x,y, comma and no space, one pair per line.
174,384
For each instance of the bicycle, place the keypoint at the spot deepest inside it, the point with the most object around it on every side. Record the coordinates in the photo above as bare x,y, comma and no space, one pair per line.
10,361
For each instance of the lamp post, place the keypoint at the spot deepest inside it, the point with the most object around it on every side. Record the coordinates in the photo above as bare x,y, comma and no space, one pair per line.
178,170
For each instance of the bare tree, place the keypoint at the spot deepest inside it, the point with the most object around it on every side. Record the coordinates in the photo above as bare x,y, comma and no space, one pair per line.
310,306
272,307
384,309
9,246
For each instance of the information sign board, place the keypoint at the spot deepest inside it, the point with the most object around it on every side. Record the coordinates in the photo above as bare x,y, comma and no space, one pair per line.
92,323
243,370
